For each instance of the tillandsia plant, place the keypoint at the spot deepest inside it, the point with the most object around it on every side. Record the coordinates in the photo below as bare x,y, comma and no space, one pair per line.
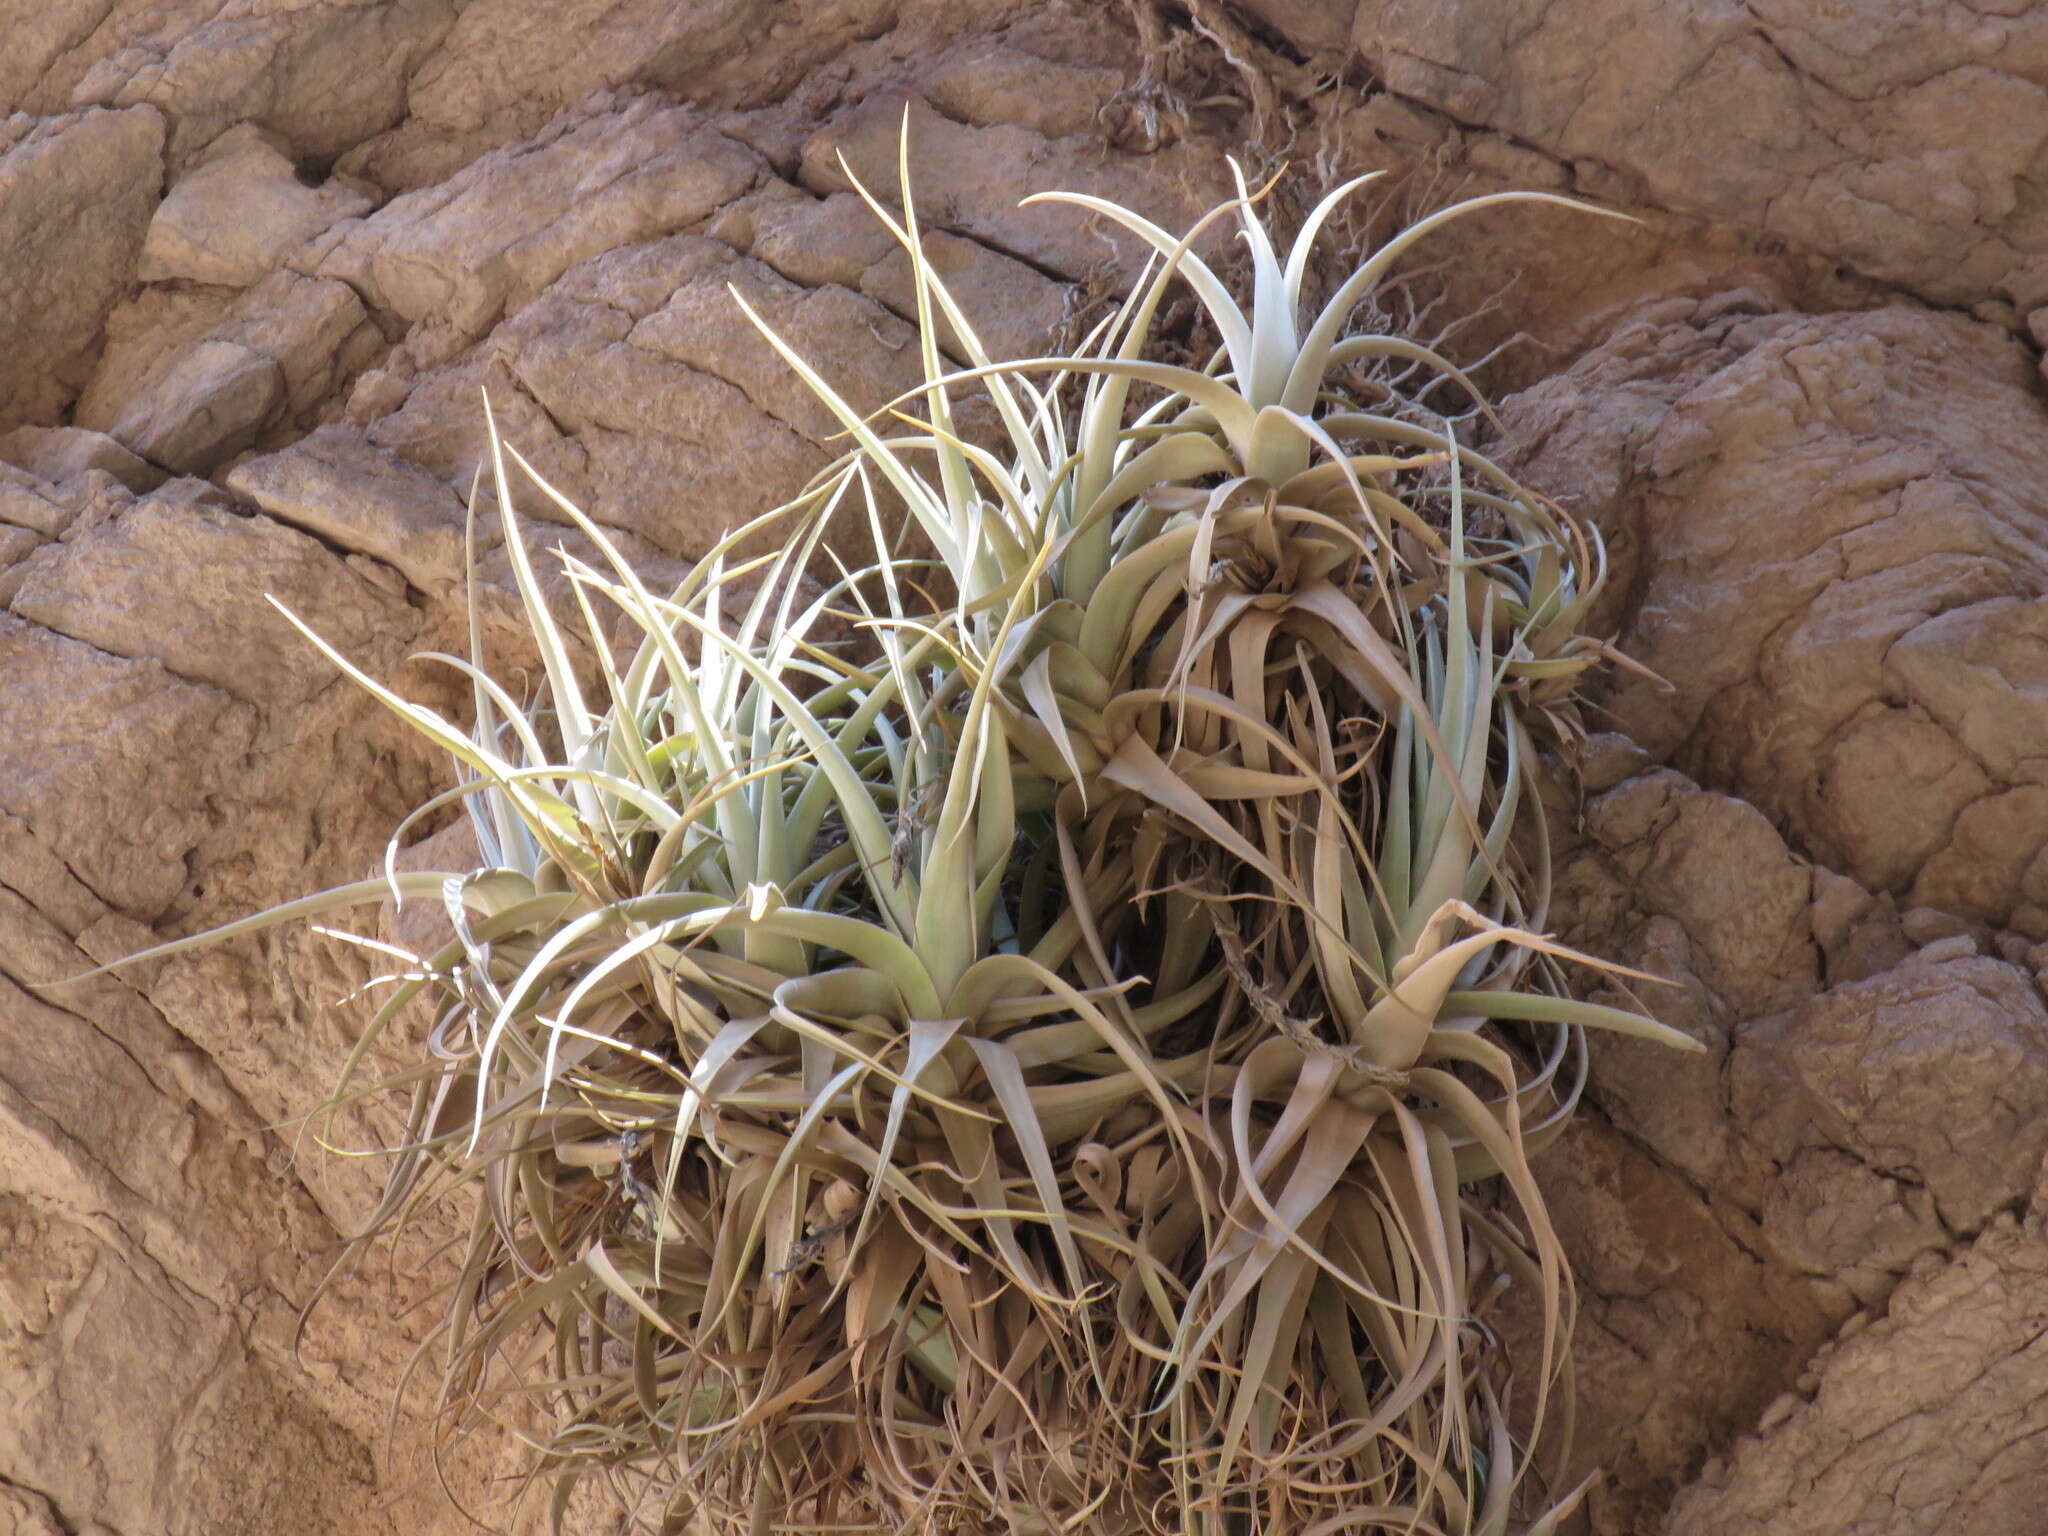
1048,1033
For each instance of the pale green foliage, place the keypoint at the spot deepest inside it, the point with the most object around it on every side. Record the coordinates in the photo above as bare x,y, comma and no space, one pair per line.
1061,1052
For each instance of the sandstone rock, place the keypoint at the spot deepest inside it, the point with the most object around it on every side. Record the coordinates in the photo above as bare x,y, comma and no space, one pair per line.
498,232
150,1263
142,644
1829,1213
1931,925
238,213
1015,310
107,766
422,926
27,501
39,39
335,485
809,240
33,512
23,1513
208,405
76,195
1811,1110
1859,934
1931,1421
1801,1159
280,350
1686,1331
1716,867
502,72
957,192
322,77
990,82
1864,1066
1715,1253
1697,890
106,584
1824,665
58,453
1828,130
1607,759
867,355
15,545
143,333
655,403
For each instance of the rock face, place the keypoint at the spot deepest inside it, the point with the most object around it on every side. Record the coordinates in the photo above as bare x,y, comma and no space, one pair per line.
238,212
1955,1447
263,260
77,192
1827,129
1878,636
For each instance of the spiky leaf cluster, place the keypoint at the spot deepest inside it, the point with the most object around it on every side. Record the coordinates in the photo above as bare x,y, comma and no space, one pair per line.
1050,1032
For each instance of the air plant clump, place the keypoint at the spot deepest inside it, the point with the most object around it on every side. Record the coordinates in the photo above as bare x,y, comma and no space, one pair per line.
1050,1031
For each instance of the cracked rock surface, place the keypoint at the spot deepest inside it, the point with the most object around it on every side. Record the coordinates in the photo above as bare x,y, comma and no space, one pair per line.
262,256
